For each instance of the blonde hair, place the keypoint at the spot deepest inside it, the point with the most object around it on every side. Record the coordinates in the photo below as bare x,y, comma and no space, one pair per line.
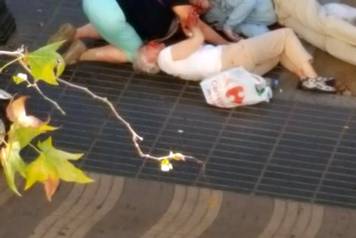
142,65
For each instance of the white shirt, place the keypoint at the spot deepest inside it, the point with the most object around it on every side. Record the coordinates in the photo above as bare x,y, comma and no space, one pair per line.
204,62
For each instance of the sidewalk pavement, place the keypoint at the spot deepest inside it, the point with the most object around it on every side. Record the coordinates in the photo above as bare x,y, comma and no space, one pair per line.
131,208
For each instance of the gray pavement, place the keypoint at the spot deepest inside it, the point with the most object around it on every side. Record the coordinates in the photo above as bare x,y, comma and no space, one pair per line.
132,208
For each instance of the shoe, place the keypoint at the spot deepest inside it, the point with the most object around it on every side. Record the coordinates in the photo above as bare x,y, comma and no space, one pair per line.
75,50
320,84
66,32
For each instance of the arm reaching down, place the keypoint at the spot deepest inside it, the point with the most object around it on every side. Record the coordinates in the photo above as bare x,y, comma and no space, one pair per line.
209,34
188,46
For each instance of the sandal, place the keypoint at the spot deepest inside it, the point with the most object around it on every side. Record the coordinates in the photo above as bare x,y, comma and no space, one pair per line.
75,50
66,32
320,84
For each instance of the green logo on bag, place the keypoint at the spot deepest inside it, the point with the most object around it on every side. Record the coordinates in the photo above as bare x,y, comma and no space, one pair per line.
260,89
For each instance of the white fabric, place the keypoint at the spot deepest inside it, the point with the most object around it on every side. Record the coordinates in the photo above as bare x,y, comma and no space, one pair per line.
205,62
311,22
234,88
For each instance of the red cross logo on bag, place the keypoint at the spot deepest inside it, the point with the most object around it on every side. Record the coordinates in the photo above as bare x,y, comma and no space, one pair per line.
235,94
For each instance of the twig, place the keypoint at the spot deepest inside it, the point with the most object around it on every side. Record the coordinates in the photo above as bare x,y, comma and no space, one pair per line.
35,85
135,137
35,148
59,108
10,63
16,53
19,54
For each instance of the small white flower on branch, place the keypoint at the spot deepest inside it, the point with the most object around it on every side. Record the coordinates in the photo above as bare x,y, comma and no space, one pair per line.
166,165
22,76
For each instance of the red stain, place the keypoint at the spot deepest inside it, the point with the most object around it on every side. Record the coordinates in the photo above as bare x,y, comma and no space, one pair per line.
236,94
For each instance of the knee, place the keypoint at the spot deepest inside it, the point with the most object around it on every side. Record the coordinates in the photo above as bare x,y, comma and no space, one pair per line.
288,31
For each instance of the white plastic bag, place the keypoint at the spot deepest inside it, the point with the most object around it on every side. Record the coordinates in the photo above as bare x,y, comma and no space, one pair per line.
235,87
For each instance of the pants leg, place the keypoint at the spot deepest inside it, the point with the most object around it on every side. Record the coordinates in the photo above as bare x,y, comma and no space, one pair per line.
265,67
282,44
109,20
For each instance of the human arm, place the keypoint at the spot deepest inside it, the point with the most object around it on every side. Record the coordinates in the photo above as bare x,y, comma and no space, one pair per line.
210,35
185,48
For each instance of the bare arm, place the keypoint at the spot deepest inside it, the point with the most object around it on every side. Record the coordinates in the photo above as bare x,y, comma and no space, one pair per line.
209,34
185,48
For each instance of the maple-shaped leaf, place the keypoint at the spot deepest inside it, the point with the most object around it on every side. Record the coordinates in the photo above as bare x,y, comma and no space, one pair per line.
45,63
53,165
50,187
16,112
24,135
12,163
41,170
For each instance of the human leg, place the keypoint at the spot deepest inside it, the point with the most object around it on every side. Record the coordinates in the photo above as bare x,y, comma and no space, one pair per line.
108,53
285,45
108,19
87,31
265,67
67,32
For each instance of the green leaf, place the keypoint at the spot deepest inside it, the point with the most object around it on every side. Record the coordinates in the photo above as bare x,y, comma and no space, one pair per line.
48,149
60,66
24,135
12,163
45,63
54,164
17,80
39,171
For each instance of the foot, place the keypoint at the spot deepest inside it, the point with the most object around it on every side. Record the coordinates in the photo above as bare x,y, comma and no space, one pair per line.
66,32
321,84
75,50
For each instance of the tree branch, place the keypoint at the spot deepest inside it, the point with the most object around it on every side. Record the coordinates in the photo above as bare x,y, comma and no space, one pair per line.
10,63
17,53
35,86
136,138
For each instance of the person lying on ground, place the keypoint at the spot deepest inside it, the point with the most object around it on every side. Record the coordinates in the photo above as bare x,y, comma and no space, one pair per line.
124,24
192,59
248,17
